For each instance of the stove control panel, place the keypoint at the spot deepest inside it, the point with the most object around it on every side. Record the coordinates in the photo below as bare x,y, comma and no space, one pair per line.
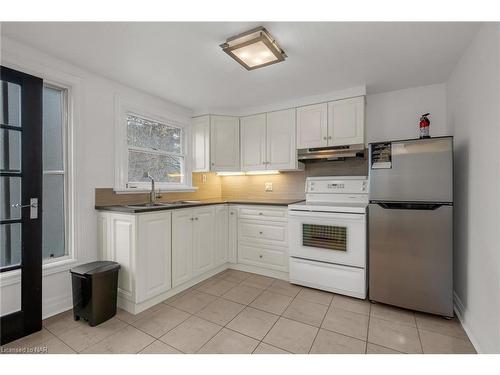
332,185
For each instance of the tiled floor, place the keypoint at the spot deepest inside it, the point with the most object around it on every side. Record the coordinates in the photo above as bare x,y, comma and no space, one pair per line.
239,312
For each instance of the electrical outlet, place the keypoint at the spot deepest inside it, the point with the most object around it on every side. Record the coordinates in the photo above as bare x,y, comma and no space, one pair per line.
204,178
268,186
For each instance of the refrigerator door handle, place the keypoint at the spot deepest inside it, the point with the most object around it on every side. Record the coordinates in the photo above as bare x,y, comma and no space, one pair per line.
410,205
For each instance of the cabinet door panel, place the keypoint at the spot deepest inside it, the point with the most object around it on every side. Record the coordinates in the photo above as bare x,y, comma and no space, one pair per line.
122,250
346,120
154,251
233,234
224,143
281,140
253,142
201,144
312,126
221,234
182,246
203,240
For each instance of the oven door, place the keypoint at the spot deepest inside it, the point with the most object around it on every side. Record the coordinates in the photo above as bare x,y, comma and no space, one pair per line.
338,238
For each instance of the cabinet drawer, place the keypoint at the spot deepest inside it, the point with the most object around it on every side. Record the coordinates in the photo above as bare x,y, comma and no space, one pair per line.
268,257
265,213
273,233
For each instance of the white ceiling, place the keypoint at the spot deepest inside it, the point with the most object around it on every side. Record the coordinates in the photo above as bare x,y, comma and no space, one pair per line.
182,62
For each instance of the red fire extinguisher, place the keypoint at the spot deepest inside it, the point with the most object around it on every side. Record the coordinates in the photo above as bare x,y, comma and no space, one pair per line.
424,126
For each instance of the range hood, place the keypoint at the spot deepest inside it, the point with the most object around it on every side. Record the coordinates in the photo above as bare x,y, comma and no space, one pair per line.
308,155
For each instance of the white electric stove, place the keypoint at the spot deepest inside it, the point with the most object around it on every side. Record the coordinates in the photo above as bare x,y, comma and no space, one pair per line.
327,235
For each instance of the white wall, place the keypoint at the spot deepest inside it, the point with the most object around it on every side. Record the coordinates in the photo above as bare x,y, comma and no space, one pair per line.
94,107
474,119
395,115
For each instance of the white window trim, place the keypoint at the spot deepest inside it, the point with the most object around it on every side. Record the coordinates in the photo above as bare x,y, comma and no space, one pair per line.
53,265
124,108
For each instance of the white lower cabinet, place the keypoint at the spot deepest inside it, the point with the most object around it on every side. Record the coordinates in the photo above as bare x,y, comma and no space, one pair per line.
199,241
221,234
232,250
182,246
203,239
163,253
263,237
142,246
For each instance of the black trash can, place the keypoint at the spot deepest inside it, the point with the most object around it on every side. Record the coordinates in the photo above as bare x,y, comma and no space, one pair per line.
94,291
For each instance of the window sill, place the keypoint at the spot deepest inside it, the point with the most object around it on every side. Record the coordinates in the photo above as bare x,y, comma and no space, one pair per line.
50,268
56,266
183,188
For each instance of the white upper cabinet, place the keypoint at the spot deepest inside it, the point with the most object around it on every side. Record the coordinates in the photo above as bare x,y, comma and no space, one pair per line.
346,122
224,143
281,140
312,126
268,141
338,123
201,144
253,142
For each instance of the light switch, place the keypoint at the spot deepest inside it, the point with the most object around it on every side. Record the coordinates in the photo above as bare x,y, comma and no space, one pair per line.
268,186
204,178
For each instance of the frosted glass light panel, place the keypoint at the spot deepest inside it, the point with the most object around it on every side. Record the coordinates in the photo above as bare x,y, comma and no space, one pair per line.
10,94
10,245
162,167
10,154
153,135
10,196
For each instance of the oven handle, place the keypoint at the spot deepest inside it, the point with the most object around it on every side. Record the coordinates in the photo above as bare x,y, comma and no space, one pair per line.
326,215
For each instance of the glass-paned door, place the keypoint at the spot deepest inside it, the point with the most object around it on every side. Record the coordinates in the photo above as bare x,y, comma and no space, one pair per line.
20,203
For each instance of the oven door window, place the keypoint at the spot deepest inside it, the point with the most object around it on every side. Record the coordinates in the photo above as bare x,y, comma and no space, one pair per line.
324,236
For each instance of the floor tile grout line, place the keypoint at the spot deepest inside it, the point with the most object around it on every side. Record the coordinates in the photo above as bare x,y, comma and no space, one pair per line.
466,339
418,333
220,276
321,324
368,328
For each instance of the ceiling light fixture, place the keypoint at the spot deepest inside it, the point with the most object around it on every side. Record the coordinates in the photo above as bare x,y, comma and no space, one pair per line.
254,49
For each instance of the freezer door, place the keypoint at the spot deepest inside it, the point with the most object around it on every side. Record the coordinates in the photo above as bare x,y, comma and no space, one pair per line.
419,170
410,257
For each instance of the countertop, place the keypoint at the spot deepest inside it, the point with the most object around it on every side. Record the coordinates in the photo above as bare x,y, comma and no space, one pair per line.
176,205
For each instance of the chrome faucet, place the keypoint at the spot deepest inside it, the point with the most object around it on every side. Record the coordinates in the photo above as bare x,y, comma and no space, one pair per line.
152,193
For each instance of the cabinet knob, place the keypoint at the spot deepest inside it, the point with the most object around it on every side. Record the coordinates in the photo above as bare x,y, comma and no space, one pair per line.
196,218
260,232
231,213
329,137
260,256
213,163
325,138
260,213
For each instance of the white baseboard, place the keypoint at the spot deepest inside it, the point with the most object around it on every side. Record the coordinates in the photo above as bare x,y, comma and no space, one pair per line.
56,306
461,313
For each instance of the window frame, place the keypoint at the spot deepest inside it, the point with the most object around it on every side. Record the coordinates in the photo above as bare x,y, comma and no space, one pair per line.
68,173
122,184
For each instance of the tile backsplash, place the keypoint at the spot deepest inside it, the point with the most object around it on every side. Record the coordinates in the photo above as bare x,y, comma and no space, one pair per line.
286,185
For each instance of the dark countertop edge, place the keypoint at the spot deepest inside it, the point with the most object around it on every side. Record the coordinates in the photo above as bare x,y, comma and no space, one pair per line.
125,209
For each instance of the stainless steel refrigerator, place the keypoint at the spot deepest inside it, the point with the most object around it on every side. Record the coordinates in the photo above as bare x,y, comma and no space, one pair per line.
411,224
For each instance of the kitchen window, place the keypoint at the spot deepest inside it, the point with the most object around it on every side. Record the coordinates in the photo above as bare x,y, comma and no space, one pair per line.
55,215
156,147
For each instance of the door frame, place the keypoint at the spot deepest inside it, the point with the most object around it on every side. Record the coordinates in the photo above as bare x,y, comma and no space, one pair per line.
29,319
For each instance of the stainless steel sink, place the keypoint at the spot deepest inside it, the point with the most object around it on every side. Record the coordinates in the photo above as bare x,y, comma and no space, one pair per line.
153,205
161,204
